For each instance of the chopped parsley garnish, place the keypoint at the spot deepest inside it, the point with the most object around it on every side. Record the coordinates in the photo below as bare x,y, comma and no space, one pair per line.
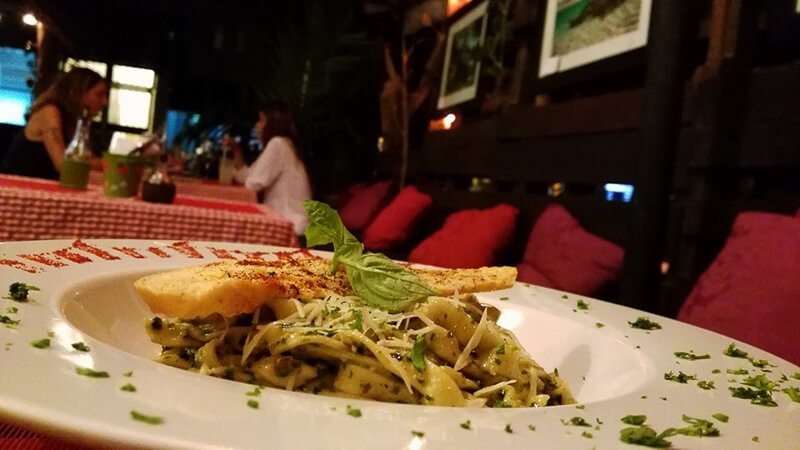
358,322
691,356
734,352
796,375
599,324
721,417
128,388
354,412
716,371
127,374
91,373
646,436
582,305
508,428
254,393
418,434
564,296
793,393
41,343
503,299
19,291
580,406
466,425
500,349
759,382
760,363
80,346
737,371
418,354
679,378
150,420
643,323
755,439
576,422
252,403
587,435
706,385
12,310
8,321
531,427
760,397
634,419
697,427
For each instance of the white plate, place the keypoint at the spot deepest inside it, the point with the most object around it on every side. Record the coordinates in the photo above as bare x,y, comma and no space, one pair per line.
613,370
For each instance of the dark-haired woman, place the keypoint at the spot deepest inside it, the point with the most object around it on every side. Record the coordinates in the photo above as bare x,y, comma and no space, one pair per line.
38,149
278,172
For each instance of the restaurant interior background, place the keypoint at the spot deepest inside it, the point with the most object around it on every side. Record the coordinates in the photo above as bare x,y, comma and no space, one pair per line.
655,145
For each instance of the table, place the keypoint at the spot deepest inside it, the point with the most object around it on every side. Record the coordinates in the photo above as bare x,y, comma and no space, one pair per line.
197,187
35,209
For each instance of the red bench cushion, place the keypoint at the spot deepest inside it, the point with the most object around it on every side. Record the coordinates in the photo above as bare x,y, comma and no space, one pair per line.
394,223
364,204
570,258
751,291
469,238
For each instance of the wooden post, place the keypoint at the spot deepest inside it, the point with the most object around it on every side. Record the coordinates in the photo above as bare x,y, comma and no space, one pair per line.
660,124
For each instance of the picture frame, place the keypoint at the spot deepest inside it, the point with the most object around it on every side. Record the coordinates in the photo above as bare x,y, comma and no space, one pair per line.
462,66
580,32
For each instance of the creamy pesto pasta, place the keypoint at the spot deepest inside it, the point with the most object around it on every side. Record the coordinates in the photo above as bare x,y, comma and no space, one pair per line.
446,351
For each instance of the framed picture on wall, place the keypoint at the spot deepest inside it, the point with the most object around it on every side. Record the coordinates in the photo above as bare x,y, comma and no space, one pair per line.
578,32
462,65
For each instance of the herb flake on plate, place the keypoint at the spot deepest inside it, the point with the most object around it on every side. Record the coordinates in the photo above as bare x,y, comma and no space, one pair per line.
91,373
759,382
706,385
646,436
643,323
80,346
8,321
576,422
418,434
41,343
599,324
466,425
353,412
679,378
254,393
691,356
19,291
418,354
793,393
734,352
721,417
634,419
128,388
761,397
144,418
582,305
697,427
252,403
508,429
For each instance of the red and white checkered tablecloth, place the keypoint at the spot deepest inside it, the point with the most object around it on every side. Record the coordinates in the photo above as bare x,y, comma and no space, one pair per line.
33,209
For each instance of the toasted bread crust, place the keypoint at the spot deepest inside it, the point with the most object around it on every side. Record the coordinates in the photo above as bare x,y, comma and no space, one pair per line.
238,287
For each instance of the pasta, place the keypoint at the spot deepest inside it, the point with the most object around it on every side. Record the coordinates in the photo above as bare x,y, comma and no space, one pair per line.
446,351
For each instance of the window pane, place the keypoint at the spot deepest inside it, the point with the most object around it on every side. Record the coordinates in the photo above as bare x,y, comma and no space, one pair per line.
129,108
99,67
133,76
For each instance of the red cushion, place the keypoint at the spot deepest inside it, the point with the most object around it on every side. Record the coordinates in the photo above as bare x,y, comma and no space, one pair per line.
364,204
570,257
752,289
392,225
470,238
527,273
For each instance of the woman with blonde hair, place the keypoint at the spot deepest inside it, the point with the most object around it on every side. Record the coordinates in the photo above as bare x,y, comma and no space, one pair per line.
38,149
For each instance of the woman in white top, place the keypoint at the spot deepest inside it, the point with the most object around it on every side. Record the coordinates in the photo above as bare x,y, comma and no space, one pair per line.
278,172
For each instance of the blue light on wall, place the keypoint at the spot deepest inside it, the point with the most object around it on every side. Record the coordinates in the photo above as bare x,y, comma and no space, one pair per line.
619,192
15,95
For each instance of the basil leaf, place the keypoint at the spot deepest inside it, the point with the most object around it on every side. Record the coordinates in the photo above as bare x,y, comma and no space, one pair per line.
383,283
418,354
643,435
326,227
374,277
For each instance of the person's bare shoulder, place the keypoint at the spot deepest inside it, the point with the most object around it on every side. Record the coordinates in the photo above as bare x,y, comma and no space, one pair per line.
47,119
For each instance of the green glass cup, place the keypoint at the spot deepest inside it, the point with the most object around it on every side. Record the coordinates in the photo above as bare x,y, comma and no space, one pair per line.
74,174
